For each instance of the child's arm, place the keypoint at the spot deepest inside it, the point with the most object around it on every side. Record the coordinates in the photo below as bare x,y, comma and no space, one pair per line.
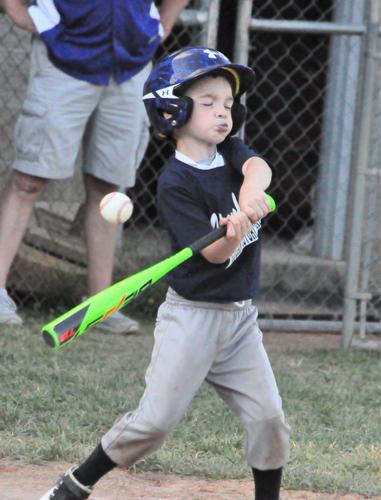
253,204
169,12
17,11
252,197
257,176
238,225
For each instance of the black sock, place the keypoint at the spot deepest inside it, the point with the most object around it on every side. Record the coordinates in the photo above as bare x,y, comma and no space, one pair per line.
267,484
94,467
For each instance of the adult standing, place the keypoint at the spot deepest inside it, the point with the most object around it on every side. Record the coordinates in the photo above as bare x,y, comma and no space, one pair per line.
89,61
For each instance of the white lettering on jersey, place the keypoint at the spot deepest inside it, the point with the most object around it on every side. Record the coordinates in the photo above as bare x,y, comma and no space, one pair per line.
250,238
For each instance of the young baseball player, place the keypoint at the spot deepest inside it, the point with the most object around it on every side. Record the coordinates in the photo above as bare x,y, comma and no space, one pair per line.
207,327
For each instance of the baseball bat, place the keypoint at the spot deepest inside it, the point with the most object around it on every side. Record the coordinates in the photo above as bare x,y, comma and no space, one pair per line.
100,306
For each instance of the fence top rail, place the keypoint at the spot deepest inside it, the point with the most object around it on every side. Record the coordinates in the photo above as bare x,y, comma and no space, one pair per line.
312,27
193,17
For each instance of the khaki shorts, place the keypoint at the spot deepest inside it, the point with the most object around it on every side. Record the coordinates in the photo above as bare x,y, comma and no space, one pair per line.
61,113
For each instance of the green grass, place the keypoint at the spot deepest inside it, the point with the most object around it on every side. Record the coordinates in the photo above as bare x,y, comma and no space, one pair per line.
56,406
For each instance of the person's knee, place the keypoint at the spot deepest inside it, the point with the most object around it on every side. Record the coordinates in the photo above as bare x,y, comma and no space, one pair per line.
97,188
268,443
27,186
133,443
139,433
155,439
146,441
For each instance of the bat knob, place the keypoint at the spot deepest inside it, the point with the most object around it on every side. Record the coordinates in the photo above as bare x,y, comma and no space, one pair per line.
48,339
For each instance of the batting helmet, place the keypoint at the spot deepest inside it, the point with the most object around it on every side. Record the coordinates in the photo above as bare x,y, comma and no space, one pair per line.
174,73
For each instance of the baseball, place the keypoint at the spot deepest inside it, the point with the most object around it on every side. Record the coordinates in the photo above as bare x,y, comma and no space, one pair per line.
116,207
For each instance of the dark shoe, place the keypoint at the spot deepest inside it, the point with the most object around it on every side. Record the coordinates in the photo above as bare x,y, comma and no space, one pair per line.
68,488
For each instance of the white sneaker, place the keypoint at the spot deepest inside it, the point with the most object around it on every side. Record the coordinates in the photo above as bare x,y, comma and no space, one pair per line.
8,308
118,323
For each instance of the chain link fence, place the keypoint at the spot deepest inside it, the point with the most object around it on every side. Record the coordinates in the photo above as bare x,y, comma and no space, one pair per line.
308,120
362,297
309,116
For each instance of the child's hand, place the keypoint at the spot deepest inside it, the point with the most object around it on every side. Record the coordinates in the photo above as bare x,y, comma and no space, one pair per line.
238,226
255,206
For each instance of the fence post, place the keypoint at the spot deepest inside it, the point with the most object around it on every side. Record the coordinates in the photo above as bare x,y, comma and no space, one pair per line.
242,41
241,45
210,39
338,124
361,158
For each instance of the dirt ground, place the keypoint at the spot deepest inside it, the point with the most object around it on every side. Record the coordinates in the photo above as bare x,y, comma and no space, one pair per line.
27,482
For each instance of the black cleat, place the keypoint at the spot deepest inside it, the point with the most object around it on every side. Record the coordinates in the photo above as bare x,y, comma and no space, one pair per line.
68,488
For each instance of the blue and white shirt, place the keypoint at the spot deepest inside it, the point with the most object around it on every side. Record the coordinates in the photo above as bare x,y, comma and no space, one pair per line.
93,40
192,197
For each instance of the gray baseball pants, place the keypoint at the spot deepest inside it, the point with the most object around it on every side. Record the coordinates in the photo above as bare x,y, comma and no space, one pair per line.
219,343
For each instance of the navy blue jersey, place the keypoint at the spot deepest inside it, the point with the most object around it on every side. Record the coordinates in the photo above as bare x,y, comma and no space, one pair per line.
94,40
191,200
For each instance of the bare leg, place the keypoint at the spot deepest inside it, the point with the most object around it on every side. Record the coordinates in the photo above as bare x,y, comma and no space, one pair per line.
16,205
101,236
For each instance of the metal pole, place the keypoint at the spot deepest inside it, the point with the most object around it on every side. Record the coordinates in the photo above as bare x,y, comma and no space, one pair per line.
361,163
212,27
242,40
337,134
369,270
310,27
310,326
205,16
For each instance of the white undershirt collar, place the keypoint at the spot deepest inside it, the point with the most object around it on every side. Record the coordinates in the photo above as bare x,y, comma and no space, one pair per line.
215,162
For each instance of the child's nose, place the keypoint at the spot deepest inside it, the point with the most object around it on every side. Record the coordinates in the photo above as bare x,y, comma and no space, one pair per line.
221,111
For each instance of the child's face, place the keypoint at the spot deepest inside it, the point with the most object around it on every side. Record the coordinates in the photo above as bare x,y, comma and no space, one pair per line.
211,119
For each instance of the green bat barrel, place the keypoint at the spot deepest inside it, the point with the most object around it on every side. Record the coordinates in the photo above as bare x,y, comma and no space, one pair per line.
73,323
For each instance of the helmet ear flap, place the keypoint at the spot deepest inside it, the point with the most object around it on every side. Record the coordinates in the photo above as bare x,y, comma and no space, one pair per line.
183,112
238,116
188,108
180,112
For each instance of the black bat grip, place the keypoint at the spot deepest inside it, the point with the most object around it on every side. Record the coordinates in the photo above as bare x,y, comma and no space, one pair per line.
208,239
